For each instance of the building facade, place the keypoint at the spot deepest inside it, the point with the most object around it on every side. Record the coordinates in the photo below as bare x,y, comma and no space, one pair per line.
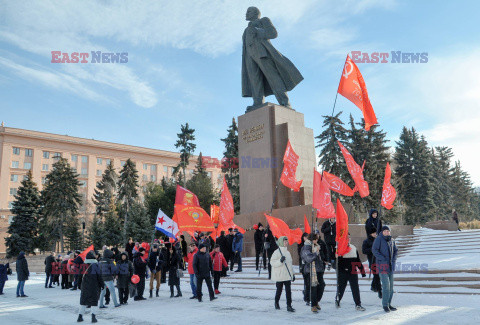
23,150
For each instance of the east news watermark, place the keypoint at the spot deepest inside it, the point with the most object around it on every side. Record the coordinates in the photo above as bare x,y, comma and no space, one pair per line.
389,57
89,57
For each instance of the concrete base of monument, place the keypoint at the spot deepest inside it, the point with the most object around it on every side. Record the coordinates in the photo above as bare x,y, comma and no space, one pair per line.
294,218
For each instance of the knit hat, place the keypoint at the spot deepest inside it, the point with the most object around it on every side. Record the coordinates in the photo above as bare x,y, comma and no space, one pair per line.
385,228
235,230
260,225
201,246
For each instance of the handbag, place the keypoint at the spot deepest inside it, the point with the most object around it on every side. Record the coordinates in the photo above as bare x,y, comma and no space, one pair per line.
179,273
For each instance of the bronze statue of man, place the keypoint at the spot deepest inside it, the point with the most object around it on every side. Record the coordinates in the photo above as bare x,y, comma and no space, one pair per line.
265,71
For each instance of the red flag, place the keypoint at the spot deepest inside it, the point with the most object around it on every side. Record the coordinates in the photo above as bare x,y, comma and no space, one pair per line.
356,171
322,200
186,197
352,87
226,211
342,230
337,185
191,218
290,163
214,212
280,228
83,254
388,193
308,230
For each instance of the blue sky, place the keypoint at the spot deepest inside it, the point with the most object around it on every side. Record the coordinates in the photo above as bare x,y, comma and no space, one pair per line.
184,63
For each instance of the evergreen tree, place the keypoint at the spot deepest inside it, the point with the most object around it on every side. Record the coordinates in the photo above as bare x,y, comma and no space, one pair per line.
187,147
230,163
73,236
127,190
200,167
26,209
112,227
139,225
167,201
202,186
441,182
60,197
105,190
331,158
96,234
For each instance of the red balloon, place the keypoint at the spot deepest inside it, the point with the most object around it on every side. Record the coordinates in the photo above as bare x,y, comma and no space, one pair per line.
172,240
255,227
135,279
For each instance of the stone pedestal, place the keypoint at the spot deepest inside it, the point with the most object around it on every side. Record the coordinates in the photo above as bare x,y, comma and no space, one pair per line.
262,138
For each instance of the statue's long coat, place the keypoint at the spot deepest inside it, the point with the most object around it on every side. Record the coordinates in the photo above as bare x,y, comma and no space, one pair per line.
261,47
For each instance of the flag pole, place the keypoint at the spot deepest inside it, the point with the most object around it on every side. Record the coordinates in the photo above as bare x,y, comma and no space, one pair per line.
336,95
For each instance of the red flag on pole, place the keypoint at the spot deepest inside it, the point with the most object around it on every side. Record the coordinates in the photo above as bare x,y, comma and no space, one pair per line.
322,200
186,197
308,230
356,171
83,254
342,230
388,193
337,185
352,87
290,163
226,214
280,228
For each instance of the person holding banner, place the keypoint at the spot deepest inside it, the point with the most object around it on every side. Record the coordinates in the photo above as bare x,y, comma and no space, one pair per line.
282,272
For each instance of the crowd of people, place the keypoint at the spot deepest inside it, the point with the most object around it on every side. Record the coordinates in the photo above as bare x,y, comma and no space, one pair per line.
98,273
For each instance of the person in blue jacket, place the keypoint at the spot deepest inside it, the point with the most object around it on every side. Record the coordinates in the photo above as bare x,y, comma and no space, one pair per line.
237,247
385,252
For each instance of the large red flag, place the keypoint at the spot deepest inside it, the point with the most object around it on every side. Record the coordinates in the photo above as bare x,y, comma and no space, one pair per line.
191,218
307,227
83,254
388,193
342,230
290,163
322,200
214,212
352,87
226,212
356,171
280,228
337,185
186,197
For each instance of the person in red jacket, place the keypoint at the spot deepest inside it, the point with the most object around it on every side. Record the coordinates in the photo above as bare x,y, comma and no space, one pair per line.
219,262
193,280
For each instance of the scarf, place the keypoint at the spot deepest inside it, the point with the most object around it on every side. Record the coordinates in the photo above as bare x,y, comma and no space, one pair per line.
313,273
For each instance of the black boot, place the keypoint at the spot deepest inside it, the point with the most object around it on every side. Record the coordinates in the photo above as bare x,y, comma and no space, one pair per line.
80,318
156,293
290,309
94,319
171,292
151,293
387,310
277,305
179,292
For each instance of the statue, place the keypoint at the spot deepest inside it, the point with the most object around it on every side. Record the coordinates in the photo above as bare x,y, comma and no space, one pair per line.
265,71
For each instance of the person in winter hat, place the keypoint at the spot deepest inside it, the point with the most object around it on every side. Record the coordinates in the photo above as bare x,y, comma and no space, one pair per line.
202,266
49,262
329,231
173,263
3,275
315,256
193,279
140,269
259,239
367,250
237,248
349,265
385,251
373,223
22,273
282,272
109,272
219,263
92,284
125,273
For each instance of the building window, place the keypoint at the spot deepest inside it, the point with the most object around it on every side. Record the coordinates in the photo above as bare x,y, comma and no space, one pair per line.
10,219
83,184
145,166
45,167
165,169
99,161
14,178
44,180
27,165
153,178
74,158
108,161
28,152
24,177
10,205
122,163
99,172
14,164
84,171
145,178
210,174
16,151
84,159
13,191
153,168
46,154
57,155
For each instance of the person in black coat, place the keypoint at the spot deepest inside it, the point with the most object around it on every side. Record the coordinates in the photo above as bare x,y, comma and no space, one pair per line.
223,243
258,238
301,264
373,223
77,266
349,265
155,264
129,248
49,260
203,267
173,264
183,245
329,231
3,275
125,273
140,269
271,246
64,272
376,285
230,255
92,284
22,273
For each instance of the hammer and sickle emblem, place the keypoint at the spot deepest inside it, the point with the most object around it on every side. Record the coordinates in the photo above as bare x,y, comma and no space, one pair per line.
346,73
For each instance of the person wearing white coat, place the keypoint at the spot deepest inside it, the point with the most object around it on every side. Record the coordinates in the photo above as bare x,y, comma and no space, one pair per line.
282,272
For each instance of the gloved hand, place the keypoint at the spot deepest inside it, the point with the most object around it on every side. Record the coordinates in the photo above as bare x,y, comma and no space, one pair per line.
293,280
282,259
363,275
